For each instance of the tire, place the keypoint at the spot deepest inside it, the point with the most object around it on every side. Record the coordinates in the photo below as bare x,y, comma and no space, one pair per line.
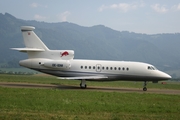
144,89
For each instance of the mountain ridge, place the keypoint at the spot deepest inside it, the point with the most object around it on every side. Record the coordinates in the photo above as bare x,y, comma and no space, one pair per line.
96,42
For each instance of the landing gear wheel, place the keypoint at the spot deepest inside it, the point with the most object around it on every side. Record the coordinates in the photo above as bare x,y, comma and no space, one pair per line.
83,87
83,84
144,89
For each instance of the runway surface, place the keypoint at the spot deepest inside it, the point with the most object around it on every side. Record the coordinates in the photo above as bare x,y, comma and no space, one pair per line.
89,88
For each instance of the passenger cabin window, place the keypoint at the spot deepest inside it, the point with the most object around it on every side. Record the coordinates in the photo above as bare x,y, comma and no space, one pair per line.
106,68
53,65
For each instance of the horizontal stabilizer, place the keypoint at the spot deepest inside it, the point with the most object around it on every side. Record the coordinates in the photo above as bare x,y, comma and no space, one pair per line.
28,49
83,77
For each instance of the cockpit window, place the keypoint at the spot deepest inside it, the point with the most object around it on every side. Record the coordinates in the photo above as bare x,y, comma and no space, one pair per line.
151,68
155,68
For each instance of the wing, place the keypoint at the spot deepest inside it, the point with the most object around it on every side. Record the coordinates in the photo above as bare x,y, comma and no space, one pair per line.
83,77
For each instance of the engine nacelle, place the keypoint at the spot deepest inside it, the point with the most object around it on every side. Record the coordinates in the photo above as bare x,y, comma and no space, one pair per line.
45,63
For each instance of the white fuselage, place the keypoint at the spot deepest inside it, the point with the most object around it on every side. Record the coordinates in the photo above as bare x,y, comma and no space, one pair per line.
112,70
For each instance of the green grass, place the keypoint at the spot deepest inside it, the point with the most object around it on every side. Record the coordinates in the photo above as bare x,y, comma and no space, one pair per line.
33,103
20,103
44,79
20,69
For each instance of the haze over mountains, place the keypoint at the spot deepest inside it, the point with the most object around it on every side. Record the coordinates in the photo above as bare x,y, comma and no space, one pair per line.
96,42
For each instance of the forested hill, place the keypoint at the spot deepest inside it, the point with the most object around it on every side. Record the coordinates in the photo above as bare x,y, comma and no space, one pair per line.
96,42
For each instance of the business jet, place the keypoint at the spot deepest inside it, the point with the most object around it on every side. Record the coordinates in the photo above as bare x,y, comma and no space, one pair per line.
60,63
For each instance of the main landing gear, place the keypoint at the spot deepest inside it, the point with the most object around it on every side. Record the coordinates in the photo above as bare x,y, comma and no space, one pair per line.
83,84
144,88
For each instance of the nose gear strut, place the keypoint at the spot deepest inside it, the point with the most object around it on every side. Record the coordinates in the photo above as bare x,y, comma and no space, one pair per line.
144,88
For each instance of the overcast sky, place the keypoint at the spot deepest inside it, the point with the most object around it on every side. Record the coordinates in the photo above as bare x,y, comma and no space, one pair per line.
140,16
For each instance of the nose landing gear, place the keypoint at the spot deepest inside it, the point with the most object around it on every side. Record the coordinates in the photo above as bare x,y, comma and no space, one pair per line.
144,88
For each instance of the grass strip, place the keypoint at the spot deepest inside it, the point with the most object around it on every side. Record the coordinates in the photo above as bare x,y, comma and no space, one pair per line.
26,103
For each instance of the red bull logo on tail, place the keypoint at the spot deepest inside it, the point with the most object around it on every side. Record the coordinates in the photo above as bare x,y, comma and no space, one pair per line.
64,54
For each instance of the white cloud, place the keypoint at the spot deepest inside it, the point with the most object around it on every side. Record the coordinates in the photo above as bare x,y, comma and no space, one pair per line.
160,9
176,7
39,17
103,7
63,16
35,5
124,7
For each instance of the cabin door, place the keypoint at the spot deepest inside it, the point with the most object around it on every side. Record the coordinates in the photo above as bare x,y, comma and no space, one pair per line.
98,68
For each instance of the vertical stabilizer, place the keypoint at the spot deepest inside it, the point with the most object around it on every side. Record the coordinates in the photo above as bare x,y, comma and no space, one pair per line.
31,40
36,49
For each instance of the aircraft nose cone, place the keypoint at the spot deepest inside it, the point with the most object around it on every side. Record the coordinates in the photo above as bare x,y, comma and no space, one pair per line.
163,76
166,76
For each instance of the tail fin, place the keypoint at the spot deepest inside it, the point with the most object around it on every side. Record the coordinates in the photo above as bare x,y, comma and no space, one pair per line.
31,40
35,48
